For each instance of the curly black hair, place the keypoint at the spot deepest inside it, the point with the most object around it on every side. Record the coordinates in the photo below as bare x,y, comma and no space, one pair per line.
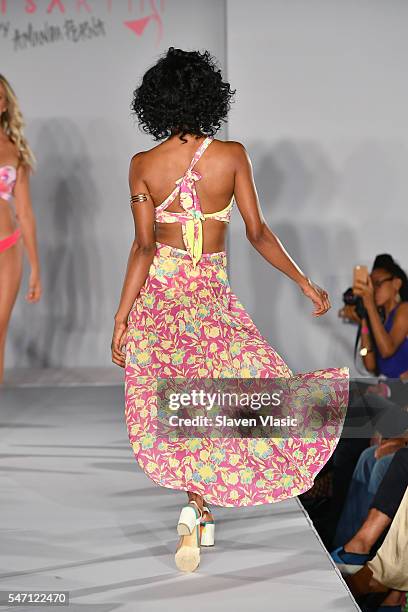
182,93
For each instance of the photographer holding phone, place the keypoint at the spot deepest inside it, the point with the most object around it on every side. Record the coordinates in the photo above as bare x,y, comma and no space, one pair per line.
384,344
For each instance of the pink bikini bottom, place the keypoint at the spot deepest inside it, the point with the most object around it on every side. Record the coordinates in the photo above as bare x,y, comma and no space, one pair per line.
8,242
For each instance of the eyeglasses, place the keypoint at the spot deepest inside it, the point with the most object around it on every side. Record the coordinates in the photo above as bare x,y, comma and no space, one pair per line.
378,283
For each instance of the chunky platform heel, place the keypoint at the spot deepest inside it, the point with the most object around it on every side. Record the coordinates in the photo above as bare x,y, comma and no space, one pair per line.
207,529
187,555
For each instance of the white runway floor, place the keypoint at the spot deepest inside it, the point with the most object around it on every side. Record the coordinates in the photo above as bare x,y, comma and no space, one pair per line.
78,514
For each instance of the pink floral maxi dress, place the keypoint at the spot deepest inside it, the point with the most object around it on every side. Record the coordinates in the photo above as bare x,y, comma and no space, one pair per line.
187,323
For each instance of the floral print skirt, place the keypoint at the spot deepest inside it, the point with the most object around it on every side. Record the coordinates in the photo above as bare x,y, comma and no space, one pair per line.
187,323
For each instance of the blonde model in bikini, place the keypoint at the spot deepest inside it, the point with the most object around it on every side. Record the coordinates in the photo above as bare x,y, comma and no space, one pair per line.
17,226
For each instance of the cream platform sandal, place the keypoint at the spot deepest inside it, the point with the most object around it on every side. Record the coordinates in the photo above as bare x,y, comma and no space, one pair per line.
187,555
188,518
207,530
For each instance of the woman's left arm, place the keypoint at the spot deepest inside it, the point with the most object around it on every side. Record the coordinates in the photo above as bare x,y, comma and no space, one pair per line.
387,342
27,223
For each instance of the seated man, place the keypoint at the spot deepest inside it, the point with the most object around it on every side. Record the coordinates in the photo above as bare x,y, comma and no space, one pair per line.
368,474
357,467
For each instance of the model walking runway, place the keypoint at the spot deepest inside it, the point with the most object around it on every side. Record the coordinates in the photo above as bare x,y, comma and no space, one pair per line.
186,322
178,318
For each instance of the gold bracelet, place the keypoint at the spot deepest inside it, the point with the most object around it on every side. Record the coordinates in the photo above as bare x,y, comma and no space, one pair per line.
139,197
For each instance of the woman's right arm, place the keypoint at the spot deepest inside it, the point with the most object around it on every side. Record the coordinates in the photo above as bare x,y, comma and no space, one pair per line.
261,236
26,218
140,258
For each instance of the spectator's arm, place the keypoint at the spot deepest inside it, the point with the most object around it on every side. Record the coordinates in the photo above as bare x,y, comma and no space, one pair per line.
365,343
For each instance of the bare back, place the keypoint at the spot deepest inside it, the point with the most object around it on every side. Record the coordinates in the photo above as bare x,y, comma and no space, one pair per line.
160,167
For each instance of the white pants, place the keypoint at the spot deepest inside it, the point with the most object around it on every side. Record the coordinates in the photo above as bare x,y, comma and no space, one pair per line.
390,564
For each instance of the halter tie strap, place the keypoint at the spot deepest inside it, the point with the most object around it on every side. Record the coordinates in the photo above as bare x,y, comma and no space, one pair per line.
192,229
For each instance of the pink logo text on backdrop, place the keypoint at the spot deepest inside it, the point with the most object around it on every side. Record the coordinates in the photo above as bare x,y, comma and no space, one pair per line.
64,7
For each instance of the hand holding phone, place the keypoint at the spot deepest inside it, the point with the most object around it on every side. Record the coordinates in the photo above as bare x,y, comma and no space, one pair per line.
362,285
360,274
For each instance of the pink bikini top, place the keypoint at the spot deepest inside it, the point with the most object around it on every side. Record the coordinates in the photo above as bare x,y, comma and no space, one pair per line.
8,175
192,218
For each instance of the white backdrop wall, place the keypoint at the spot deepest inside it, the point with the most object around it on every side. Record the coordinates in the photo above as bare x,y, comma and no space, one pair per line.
76,97
321,107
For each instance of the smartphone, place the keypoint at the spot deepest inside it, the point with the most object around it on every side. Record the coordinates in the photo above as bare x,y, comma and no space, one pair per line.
360,273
